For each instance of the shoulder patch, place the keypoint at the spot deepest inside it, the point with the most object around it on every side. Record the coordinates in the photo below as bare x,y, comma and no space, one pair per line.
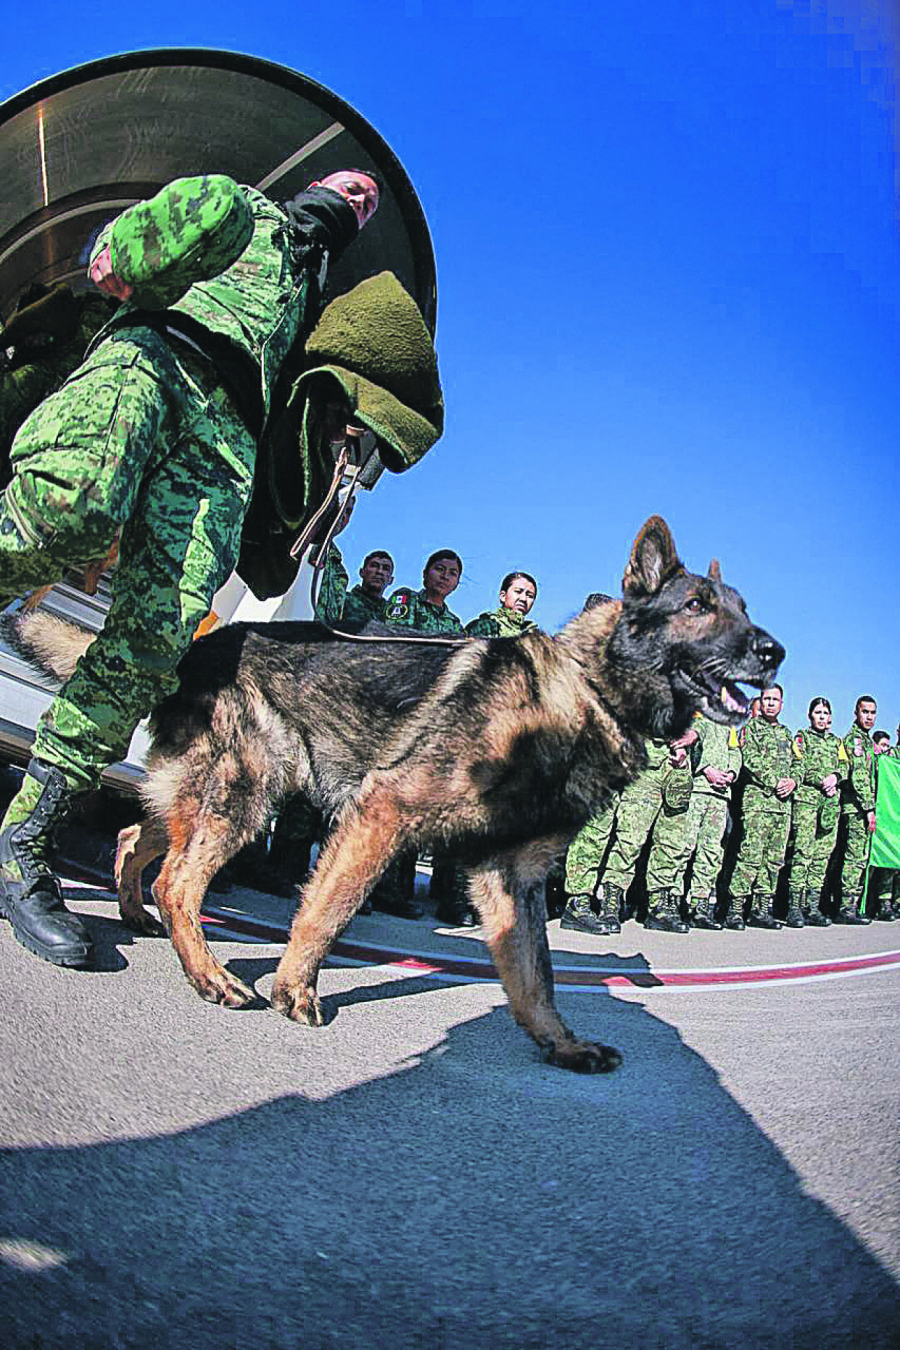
399,606
734,740
842,753
798,745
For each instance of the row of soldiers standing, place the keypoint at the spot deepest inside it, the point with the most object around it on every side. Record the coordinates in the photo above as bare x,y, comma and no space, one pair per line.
787,795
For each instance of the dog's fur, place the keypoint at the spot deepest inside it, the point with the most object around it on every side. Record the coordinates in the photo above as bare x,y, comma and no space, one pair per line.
496,749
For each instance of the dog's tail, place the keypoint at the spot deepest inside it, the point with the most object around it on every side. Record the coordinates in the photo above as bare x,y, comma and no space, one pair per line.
49,644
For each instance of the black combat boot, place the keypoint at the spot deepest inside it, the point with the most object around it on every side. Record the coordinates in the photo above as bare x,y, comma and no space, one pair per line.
886,912
849,912
795,918
735,919
30,893
580,917
813,914
761,915
704,915
610,903
662,913
395,893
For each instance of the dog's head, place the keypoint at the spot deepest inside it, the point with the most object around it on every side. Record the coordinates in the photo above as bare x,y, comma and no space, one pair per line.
683,642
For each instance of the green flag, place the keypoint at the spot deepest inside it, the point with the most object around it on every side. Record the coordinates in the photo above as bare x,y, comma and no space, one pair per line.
885,850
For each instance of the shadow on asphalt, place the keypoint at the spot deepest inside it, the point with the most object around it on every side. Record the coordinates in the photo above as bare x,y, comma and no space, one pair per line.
474,1197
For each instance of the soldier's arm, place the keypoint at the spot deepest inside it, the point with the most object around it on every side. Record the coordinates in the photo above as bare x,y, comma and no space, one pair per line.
190,231
333,588
735,758
859,777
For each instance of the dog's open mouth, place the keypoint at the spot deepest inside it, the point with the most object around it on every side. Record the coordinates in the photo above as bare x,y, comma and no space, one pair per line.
722,700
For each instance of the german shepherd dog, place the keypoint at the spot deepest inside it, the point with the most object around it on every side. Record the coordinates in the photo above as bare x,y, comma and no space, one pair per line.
496,749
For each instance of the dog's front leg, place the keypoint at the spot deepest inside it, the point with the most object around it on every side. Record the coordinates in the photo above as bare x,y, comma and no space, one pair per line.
512,911
358,850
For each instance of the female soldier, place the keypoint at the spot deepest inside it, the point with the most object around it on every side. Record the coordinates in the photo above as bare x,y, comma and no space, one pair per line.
518,592
426,610
821,766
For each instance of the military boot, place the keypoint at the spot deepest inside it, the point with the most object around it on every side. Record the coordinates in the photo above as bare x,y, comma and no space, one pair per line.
887,913
849,912
662,913
704,915
761,915
735,919
30,893
795,918
610,902
813,914
580,917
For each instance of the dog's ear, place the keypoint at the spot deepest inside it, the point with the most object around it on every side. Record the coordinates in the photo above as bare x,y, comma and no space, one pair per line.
653,560
715,573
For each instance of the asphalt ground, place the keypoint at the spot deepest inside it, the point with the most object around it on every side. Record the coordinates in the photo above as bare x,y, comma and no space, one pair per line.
178,1175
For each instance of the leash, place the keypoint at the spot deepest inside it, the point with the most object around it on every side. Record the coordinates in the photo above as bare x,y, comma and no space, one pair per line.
348,469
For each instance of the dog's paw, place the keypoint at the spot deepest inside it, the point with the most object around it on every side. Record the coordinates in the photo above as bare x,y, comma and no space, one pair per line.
298,1002
222,987
584,1056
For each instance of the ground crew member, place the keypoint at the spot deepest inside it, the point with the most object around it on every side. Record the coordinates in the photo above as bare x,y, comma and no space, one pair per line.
820,768
518,592
857,810
715,763
768,784
657,801
426,610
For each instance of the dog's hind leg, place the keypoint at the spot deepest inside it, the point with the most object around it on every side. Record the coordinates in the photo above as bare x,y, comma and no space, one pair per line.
512,911
201,842
137,847
358,851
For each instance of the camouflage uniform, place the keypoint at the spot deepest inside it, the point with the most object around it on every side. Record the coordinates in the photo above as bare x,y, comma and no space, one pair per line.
657,801
499,622
717,748
360,609
814,817
410,609
857,799
587,851
768,756
332,588
144,439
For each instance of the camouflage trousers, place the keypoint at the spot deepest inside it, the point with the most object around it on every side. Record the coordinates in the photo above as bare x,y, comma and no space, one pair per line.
761,854
855,840
587,850
812,847
641,810
143,442
704,840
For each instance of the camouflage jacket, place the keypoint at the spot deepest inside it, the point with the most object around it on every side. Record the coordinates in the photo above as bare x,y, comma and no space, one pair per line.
409,609
499,622
717,748
858,791
332,588
816,755
360,609
207,257
768,756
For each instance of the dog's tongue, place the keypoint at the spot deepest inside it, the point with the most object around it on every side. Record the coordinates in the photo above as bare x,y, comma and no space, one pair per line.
733,700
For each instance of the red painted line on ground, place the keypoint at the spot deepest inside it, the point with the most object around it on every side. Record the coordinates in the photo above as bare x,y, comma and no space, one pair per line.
478,968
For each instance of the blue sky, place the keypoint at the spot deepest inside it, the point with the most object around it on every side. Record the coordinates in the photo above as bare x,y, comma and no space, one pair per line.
668,282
